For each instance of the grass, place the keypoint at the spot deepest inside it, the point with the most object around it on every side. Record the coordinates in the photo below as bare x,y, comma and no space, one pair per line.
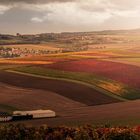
102,84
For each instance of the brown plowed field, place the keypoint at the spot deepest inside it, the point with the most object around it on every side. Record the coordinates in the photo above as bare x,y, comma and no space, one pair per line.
119,113
25,99
127,74
73,91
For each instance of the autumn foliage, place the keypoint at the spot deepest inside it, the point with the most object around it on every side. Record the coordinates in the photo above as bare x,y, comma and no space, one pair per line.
21,132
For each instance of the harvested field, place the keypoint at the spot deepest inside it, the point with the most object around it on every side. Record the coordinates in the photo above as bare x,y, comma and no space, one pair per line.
46,58
104,113
127,74
101,84
10,61
25,99
129,61
74,91
97,54
117,113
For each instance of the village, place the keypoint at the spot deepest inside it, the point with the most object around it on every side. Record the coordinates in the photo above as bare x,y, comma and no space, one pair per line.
11,52
8,52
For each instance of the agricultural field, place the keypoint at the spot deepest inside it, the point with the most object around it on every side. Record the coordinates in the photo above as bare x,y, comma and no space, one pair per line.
77,92
97,85
32,46
124,73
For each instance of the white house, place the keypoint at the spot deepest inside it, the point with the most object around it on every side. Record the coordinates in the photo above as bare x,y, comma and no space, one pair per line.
37,113
5,117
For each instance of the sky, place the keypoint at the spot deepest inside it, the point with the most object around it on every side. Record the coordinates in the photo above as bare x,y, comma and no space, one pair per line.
41,16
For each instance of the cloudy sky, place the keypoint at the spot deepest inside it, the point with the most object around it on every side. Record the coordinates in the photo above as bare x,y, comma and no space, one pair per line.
40,16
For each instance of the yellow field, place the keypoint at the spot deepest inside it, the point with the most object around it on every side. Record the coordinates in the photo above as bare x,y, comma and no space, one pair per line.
9,61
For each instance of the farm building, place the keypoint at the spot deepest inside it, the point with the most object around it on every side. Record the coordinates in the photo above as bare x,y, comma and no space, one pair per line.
36,113
5,117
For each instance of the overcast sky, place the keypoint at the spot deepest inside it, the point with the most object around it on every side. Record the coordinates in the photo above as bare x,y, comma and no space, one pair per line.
40,16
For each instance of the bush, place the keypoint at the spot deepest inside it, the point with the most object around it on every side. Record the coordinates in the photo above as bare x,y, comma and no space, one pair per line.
21,132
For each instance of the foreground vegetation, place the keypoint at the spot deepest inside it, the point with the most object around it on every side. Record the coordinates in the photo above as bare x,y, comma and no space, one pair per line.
21,132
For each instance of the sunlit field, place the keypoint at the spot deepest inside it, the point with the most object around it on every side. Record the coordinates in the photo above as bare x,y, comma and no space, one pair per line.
69,70
98,85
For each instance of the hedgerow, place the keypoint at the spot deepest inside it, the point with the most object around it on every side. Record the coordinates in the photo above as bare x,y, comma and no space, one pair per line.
88,132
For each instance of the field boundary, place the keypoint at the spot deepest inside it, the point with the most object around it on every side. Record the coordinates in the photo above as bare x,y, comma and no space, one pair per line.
103,91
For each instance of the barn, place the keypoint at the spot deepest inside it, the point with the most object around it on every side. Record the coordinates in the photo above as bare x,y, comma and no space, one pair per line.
5,117
37,113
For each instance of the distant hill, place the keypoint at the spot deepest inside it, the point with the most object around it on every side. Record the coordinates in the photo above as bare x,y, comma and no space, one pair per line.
64,37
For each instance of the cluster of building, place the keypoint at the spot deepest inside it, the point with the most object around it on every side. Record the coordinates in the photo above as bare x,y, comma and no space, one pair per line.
26,115
8,52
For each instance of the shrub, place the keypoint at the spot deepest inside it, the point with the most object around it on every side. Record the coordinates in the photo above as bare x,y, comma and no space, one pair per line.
21,132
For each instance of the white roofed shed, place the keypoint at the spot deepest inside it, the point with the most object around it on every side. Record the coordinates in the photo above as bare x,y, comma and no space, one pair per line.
37,113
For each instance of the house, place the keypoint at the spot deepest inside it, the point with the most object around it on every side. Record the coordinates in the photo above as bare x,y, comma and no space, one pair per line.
5,117
36,113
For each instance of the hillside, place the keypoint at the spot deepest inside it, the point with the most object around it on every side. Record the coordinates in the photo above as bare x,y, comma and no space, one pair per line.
66,37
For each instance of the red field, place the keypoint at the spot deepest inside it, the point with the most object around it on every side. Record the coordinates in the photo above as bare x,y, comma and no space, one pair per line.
127,74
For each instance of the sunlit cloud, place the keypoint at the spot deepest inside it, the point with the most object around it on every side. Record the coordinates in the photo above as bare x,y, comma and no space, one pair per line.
10,2
36,19
71,15
3,9
85,12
